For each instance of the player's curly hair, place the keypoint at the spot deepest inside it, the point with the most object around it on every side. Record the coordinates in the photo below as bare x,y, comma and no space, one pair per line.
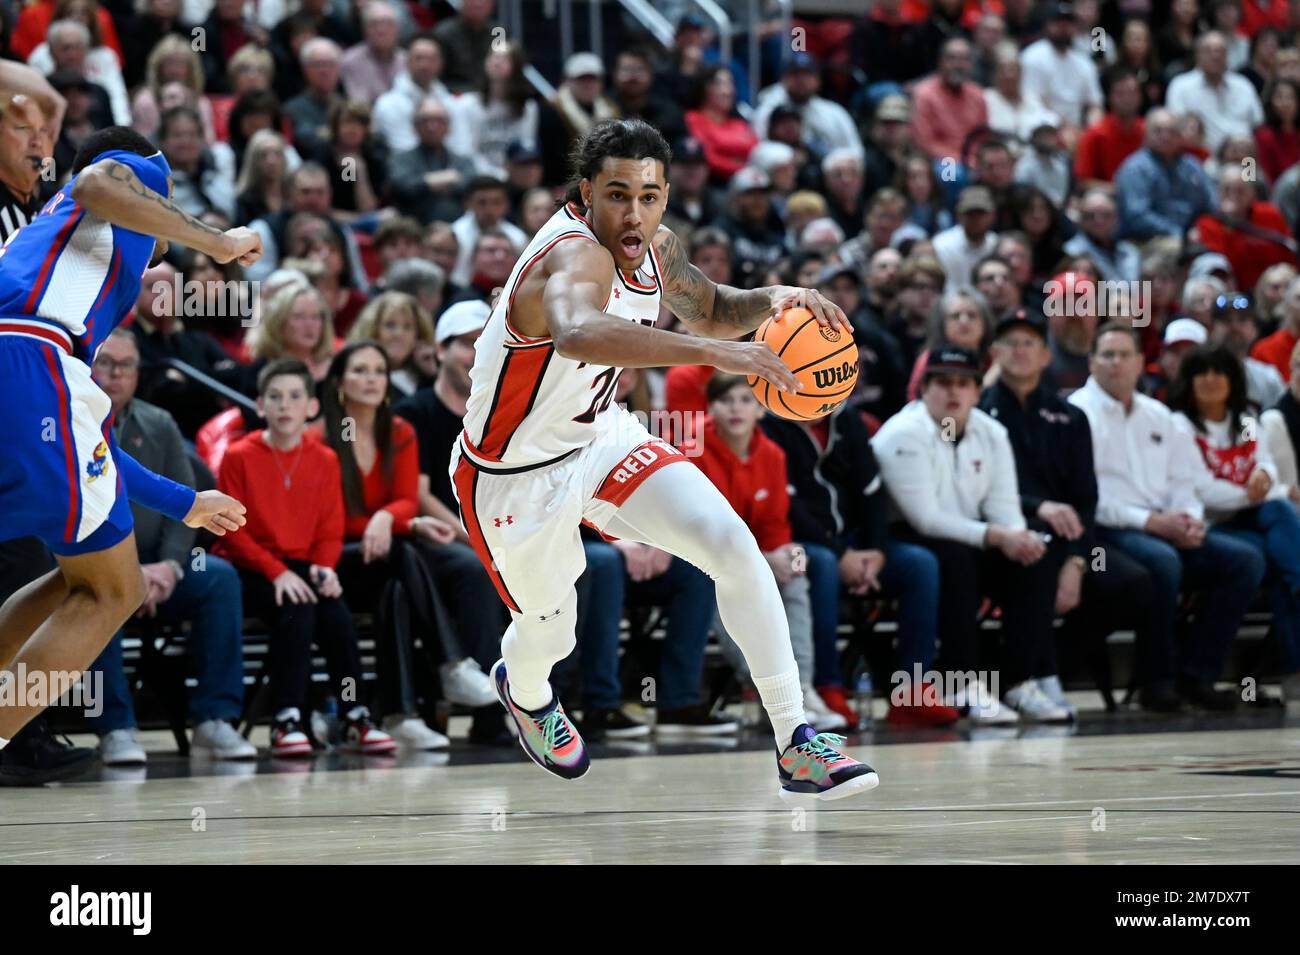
618,139
108,139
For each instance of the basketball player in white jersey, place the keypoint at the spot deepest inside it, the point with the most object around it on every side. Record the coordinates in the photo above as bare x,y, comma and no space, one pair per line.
545,448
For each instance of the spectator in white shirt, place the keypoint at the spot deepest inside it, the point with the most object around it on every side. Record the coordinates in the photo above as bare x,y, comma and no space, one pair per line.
70,45
1148,472
951,474
486,206
1013,111
1226,103
961,246
1064,79
826,124
1240,487
394,116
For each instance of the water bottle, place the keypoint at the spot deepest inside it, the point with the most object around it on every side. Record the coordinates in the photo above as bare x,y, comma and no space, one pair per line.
863,692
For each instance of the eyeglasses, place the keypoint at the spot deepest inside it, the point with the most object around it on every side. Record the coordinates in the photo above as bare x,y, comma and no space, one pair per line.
108,366
1231,303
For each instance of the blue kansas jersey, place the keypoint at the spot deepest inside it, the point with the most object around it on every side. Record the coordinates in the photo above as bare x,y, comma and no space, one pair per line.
74,270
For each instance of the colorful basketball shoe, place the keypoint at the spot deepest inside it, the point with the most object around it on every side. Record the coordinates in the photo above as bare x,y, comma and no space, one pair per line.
812,770
548,736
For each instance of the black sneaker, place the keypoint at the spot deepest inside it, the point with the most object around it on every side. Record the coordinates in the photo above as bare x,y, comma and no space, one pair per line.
694,721
1160,698
1202,694
34,757
611,724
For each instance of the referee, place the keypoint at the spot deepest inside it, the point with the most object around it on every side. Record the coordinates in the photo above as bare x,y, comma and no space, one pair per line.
30,114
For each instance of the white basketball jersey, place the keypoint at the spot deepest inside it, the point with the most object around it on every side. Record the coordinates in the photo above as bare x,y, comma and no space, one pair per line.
529,406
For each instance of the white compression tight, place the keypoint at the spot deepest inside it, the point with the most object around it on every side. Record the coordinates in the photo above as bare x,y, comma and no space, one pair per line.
677,509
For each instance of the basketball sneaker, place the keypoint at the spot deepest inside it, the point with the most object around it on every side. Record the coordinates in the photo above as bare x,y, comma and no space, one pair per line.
812,770
287,738
547,735
360,735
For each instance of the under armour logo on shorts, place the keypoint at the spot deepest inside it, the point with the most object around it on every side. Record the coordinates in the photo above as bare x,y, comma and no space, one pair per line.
508,519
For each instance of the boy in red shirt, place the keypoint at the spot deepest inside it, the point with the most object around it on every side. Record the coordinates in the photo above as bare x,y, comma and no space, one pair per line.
290,483
749,469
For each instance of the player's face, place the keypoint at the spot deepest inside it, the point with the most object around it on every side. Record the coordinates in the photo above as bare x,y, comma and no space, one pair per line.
365,379
626,202
736,413
286,406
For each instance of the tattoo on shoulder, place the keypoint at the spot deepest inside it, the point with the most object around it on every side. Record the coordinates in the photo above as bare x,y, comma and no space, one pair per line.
121,172
688,292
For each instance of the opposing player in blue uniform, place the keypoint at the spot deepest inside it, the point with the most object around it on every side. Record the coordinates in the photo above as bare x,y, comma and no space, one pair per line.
67,279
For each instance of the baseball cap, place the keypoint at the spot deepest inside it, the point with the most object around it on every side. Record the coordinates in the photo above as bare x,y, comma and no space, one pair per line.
1021,318
748,179
835,270
975,197
583,64
803,61
952,360
1185,330
463,318
1208,263
688,150
894,109
519,151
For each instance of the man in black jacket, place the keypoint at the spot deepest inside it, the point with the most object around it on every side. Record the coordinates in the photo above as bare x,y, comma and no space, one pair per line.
838,513
1052,444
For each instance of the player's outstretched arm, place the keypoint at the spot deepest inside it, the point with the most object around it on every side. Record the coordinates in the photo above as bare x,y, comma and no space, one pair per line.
112,191
720,311
579,277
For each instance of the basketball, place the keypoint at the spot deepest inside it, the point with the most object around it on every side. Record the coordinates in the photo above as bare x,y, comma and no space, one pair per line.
824,360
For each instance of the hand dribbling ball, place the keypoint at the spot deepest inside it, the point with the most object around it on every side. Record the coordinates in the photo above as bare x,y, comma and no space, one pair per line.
824,359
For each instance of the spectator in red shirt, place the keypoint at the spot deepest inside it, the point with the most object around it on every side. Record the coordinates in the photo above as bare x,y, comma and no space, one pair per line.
749,469
1225,230
379,463
1278,140
947,106
1276,349
727,139
1108,142
287,552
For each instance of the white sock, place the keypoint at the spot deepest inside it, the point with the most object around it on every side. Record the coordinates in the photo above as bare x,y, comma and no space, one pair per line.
3,742
783,699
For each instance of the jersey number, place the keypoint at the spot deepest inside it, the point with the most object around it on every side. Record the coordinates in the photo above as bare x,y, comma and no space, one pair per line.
604,385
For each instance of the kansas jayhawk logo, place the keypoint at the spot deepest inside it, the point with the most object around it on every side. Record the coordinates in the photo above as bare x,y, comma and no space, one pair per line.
98,462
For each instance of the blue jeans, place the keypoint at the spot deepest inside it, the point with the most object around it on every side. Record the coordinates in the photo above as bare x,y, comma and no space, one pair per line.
211,599
688,595
911,576
1273,529
1225,570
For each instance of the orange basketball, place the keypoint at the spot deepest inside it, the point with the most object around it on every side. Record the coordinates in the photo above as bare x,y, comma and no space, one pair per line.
823,359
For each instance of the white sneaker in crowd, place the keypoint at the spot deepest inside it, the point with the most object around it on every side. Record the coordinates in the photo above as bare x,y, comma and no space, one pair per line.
413,733
464,683
1031,702
217,739
121,748
982,706
818,715
1051,687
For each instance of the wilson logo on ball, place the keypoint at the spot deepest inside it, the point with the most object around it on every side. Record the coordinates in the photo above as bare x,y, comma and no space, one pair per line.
830,334
827,377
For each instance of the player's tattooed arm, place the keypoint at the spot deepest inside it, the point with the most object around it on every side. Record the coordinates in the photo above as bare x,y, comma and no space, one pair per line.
112,191
720,311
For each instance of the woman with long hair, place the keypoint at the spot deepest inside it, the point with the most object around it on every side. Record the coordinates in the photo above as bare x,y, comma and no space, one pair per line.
357,160
959,319
397,322
1278,140
262,187
173,60
919,183
502,109
320,241
1239,484
296,322
1137,52
1033,213
713,120
383,565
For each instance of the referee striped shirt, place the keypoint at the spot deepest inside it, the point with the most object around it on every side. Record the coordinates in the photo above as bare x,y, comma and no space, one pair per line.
14,212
